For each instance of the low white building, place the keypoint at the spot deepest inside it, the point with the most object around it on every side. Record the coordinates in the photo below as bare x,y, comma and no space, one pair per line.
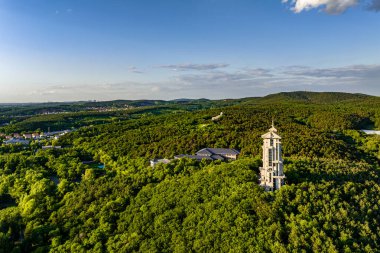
51,147
157,161
372,132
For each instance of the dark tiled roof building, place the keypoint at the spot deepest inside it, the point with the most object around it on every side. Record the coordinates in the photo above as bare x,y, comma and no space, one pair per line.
221,154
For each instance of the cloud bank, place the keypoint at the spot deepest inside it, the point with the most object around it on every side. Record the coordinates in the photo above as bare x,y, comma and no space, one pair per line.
134,69
331,6
186,67
226,83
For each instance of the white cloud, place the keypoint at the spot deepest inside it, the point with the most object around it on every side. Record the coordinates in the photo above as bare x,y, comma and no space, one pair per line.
330,6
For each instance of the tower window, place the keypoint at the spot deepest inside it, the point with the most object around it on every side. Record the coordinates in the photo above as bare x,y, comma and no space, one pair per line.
270,154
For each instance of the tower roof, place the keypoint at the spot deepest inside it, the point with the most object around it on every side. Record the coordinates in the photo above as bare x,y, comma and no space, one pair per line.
272,134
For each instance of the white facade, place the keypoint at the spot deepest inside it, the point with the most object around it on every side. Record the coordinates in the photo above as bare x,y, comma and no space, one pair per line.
272,175
157,161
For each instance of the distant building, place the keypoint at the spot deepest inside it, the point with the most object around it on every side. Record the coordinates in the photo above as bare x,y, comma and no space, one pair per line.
213,154
225,153
272,175
56,134
196,157
157,161
217,117
28,136
36,135
17,135
51,147
17,141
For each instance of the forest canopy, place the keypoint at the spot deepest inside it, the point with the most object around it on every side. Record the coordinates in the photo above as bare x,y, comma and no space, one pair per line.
58,200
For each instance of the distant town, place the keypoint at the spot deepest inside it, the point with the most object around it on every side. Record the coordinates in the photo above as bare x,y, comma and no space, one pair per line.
26,138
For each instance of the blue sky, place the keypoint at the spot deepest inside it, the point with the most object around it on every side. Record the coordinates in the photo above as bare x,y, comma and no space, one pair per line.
122,49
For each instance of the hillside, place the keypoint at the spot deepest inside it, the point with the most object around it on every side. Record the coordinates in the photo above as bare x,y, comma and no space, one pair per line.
315,97
53,200
58,116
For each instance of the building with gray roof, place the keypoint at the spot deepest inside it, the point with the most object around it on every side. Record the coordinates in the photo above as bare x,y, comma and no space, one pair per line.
17,141
212,154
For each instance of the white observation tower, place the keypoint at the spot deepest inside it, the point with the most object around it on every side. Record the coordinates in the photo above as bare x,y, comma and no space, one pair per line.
272,175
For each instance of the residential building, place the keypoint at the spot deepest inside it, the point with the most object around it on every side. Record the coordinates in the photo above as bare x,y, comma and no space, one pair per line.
28,136
17,135
17,141
36,135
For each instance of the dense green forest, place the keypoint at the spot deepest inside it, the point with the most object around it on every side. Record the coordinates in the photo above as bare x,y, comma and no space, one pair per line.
54,201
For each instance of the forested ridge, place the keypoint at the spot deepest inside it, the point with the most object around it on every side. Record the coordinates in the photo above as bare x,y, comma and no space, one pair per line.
53,202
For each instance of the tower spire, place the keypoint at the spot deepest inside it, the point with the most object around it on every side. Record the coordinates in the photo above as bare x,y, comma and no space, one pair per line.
273,129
